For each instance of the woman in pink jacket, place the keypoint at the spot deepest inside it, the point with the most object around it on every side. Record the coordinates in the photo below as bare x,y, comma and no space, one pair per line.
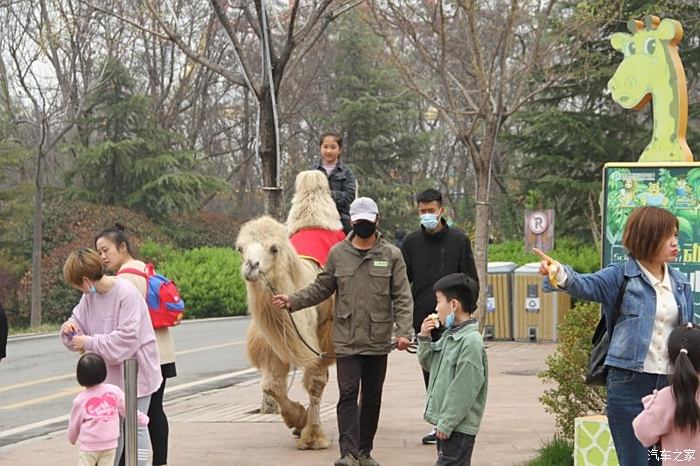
671,418
112,320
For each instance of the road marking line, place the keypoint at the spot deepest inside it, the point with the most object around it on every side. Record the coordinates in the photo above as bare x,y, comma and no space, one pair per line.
36,382
54,420
61,394
206,348
71,375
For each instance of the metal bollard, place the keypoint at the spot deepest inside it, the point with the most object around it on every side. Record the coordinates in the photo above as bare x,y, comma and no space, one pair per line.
131,369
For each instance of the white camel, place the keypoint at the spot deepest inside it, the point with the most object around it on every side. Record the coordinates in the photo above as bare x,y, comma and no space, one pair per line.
271,265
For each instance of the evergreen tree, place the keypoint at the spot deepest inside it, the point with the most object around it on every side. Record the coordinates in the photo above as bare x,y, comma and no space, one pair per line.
380,119
131,161
15,195
566,137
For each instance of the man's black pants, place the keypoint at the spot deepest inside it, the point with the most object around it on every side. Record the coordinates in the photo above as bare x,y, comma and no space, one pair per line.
358,424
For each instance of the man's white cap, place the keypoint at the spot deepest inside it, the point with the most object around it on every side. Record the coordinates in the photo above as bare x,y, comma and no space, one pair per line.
363,208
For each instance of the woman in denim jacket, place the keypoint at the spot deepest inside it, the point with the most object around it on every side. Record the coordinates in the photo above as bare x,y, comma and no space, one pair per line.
657,299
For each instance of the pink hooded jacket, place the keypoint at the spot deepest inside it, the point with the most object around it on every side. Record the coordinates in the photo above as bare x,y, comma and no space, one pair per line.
94,419
656,424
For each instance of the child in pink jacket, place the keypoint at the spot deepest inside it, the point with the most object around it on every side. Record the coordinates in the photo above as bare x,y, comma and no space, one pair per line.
95,417
671,416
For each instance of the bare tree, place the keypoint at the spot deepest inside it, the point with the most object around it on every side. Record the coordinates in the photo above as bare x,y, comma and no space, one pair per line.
54,104
276,35
477,63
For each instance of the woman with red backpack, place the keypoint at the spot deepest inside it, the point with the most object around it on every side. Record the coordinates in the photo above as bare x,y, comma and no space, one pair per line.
112,244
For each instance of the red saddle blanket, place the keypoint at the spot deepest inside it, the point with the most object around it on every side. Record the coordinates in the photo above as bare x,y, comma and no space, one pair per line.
315,243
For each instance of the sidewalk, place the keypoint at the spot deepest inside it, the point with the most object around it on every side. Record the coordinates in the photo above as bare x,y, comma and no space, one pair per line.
215,429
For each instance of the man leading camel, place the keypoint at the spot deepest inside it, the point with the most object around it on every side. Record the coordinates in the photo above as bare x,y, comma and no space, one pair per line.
369,275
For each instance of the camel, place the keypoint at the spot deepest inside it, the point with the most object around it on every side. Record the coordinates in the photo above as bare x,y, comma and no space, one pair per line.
270,264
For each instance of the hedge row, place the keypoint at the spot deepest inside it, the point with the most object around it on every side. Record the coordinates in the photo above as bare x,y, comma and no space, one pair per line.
583,258
208,278
69,225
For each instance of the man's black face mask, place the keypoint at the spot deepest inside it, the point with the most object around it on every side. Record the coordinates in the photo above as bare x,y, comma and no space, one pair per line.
364,228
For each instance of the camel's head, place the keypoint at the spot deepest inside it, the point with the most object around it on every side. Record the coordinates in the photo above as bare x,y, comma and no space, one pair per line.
264,247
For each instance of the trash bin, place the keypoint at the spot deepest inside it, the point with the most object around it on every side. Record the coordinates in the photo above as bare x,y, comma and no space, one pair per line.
536,313
498,321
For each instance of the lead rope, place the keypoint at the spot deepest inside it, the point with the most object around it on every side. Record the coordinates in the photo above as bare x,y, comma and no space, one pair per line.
411,347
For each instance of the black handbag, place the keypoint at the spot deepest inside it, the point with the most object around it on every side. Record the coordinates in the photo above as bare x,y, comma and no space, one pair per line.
597,372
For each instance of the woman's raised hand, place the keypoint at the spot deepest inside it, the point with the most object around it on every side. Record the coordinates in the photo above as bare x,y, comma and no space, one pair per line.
548,266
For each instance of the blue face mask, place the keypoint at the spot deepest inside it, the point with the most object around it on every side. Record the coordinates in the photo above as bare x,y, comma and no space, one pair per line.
430,221
450,320
92,289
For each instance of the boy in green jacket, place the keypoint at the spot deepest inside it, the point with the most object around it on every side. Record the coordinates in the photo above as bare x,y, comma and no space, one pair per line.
458,369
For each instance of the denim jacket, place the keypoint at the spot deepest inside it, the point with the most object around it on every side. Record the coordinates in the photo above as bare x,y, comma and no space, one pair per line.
632,334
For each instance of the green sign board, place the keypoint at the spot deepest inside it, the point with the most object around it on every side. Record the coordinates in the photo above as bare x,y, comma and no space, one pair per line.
673,186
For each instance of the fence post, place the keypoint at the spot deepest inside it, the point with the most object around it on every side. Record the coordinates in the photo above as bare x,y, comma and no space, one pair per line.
131,370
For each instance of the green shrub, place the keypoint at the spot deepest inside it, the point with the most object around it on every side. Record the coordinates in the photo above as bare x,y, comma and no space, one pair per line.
557,452
566,368
208,278
581,257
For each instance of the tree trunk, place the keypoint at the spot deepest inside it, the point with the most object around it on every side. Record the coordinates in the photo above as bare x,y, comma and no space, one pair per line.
482,174
35,317
481,240
272,192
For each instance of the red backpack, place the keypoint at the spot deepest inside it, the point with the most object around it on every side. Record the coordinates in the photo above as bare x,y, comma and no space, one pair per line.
162,297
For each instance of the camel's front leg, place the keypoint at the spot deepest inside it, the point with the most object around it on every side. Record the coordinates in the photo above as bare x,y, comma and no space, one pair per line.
312,436
274,383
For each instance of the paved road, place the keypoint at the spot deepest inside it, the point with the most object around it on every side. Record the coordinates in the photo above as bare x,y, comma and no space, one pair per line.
37,380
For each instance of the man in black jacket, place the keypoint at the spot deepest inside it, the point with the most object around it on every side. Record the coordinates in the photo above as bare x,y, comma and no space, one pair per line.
430,253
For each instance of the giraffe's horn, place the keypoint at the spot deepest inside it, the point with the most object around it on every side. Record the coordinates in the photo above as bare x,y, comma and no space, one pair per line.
651,22
633,26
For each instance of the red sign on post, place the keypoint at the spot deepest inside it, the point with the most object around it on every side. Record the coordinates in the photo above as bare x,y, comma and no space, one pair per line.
539,229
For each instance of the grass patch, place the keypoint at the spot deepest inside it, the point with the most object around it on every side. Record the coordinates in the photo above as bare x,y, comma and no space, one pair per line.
556,452
45,328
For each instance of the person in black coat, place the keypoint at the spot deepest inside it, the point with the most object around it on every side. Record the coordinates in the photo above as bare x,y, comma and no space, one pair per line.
340,177
4,328
432,252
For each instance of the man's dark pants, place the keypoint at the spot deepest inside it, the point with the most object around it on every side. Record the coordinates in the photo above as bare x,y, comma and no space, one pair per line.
359,375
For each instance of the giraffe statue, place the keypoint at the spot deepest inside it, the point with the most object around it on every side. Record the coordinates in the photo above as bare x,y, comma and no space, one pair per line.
652,70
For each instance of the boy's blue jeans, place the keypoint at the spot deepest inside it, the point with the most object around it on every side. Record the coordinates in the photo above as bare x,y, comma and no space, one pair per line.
625,392
456,450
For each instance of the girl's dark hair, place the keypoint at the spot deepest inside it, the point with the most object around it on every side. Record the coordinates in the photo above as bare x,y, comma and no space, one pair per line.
337,136
91,370
684,353
117,235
